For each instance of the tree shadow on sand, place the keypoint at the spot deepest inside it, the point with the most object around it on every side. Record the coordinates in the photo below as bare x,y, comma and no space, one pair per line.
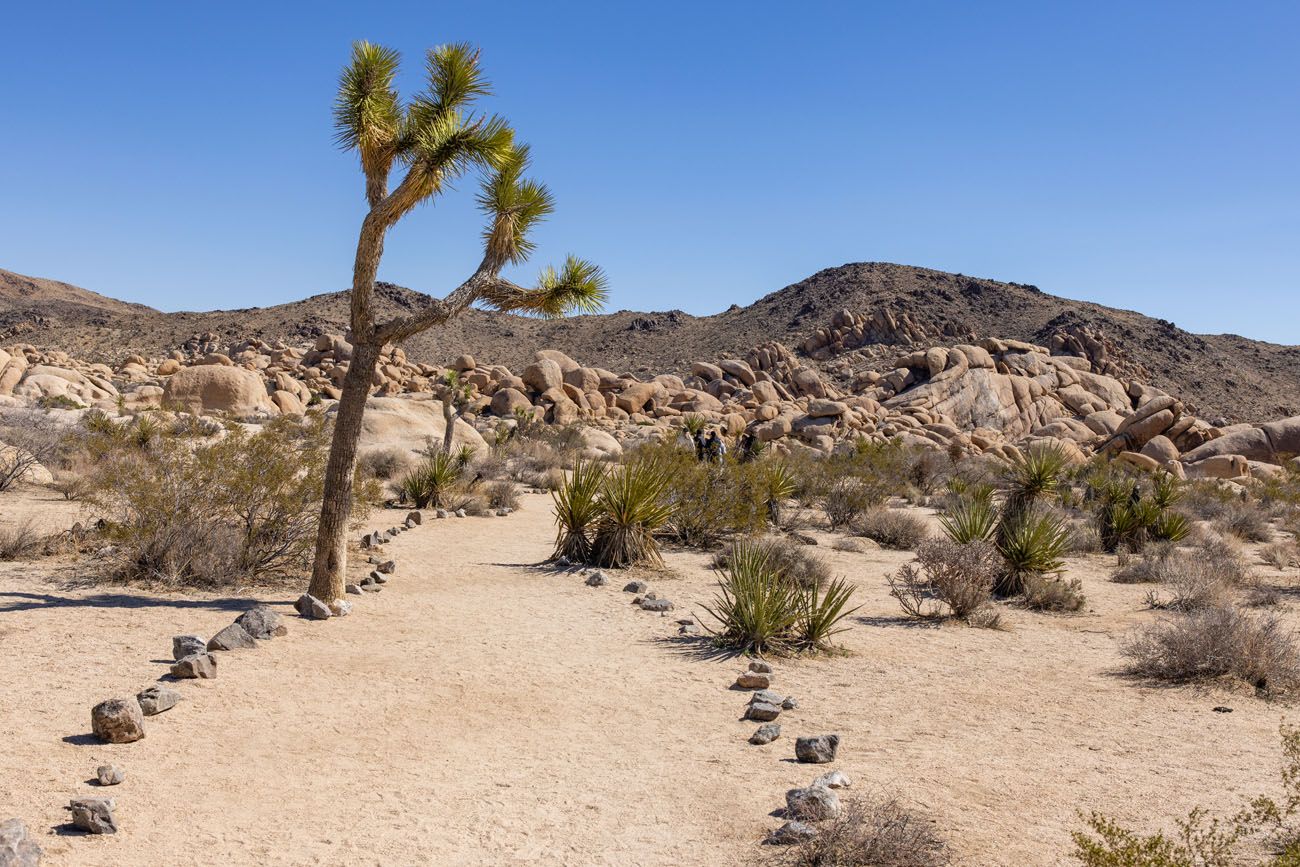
697,647
12,601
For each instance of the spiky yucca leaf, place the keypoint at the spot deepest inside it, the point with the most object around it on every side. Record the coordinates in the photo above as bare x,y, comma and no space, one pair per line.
1032,544
577,506
756,611
971,520
633,507
1033,475
822,611
432,483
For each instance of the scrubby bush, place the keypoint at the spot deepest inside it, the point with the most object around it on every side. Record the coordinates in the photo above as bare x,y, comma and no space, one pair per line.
872,832
1281,555
847,499
1214,642
384,464
207,513
759,609
891,528
1053,593
28,440
1202,840
949,579
501,494
19,541
1245,520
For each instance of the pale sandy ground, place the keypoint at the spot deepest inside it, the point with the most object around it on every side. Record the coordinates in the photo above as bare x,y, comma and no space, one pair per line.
480,711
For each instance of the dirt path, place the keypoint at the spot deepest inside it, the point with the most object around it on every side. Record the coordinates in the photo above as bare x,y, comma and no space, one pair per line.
480,711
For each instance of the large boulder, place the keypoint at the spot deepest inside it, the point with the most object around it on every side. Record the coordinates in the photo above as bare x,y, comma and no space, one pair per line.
211,388
411,424
507,400
543,375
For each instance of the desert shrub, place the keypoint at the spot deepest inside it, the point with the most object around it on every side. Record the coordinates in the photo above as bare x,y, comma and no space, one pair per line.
760,610
1202,840
872,832
491,465
72,485
501,494
244,505
1084,537
891,528
788,561
1207,499
433,482
949,579
28,439
708,502
1198,577
1214,642
633,507
384,464
577,506
1281,555
1053,593
19,542
1245,520
846,500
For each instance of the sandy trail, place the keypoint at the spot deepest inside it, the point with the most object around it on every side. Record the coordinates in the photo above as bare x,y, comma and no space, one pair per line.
482,711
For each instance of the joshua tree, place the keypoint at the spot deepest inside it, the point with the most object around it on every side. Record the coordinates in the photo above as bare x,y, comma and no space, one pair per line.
455,397
432,140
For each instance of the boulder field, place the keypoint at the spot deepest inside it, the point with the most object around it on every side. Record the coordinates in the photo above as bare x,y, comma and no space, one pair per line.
979,396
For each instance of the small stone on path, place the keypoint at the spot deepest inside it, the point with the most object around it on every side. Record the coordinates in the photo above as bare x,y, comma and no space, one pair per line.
597,579
184,645
233,637
753,680
812,804
109,775
94,815
117,721
833,780
766,733
635,587
16,848
791,833
202,665
761,711
817,750
155,699
262,623
312,608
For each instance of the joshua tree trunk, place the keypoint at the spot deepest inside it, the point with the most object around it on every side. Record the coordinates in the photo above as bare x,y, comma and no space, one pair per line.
449,416
330,569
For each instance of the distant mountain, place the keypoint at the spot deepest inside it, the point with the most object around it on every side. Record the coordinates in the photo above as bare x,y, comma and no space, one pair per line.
1225,375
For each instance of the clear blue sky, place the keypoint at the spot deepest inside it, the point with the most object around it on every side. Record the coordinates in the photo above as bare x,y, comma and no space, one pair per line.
1144,155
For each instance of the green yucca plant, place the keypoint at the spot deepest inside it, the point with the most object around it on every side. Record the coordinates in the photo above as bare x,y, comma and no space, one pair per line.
1031,544
633,508
577,506
821,612
1171,527
778,485
971,520
431,484
756,611
1033,475
693,424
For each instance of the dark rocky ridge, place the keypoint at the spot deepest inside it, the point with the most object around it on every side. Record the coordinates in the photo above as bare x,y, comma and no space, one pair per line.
1227,375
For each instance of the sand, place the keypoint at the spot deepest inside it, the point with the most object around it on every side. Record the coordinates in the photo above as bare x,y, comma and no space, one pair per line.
482,710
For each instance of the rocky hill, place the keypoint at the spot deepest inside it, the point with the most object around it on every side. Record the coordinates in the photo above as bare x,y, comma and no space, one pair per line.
896,309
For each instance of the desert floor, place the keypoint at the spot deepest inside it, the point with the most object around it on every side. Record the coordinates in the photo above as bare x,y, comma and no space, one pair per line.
484,710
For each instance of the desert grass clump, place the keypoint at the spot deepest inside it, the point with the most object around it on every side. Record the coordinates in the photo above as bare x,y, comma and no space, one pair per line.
1218,642
577,506
1246,521
501,494
19,542
433,483
949,579
789,562
872,832
761,610
1054,593
1281,555
891,528
632,510
384,464
847,499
